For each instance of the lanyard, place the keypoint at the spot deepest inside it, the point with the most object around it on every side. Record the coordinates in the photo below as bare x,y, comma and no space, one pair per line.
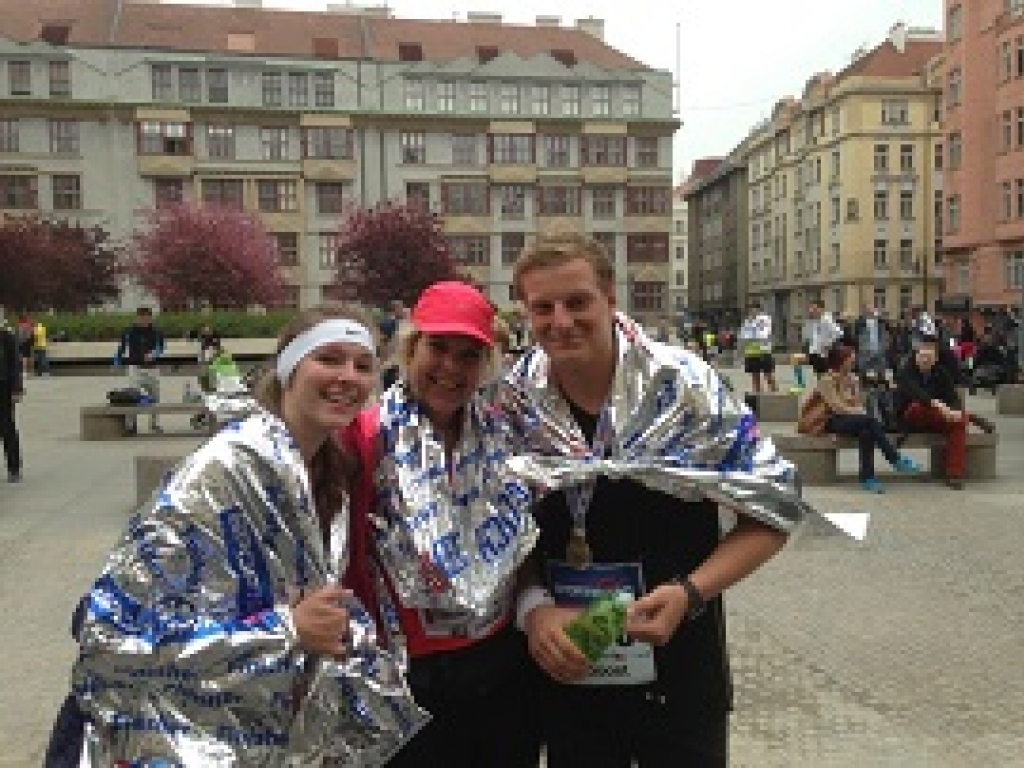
578,496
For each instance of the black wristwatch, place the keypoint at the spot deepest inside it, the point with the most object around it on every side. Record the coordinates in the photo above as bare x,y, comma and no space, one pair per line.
695,602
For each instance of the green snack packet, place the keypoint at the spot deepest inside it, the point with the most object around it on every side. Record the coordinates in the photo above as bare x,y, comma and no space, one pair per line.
599,626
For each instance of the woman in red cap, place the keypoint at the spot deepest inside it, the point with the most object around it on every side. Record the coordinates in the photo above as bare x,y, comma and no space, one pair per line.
449,530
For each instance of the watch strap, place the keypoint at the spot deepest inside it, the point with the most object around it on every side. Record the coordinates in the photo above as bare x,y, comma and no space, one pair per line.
695,602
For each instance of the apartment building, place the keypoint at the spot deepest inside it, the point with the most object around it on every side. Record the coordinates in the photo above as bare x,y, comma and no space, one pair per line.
844,188
679,250
717,201
109,107
982,75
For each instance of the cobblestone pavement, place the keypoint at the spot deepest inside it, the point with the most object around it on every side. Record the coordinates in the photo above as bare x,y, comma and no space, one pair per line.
904,650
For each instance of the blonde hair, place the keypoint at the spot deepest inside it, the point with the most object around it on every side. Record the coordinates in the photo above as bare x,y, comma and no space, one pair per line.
557,249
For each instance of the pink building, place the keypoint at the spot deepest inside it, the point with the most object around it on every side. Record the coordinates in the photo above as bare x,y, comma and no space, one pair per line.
983,122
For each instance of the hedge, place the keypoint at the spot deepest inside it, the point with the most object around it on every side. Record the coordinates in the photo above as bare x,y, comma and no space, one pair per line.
108,326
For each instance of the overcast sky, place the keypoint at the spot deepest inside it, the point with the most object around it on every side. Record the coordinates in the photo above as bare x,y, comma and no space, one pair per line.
737,56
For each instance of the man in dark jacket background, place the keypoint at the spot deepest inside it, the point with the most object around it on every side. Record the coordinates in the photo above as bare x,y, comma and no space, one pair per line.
142,344
11,392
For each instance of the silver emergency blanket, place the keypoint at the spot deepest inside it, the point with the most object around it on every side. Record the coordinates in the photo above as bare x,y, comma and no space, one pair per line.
189,656
676,429
449,541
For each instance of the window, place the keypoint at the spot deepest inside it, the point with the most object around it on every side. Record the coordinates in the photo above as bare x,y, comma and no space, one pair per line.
327,143
287,247
834,211
67,193
835,257
18,192
939,157
509,99
9,135
470,250
955,144
1007,131
601,101
881,205
631,100
607,241
939,212
647,248
878,296
415,95
323,89
906,298
1007,200
64,137
558,200
953,214
162,81
906,205
540,99
298,89
1005,61
330,197
220,141
570,100
906,158
60,79
511,149
647,296
954,92
271,89
274,142
446,96
327,249
190,88
1020,127
906,254
465,199
646,151
852,209
556,151
167,192
277,196
881,158
1019,44
603,150
1015,270
512,244
881,254
478,97
414,147
225,193
1019,186
895,112
834,120
513,201
954,23
648,201
464,149
217,86
603,202
418,192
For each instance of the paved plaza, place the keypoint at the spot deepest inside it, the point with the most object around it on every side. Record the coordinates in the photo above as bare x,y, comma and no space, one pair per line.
904,650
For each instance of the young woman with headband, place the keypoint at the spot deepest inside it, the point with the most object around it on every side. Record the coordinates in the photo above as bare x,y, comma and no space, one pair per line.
220,631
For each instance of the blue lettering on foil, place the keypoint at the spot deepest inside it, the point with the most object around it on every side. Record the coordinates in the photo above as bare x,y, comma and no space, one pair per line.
448,554
247,561
495,534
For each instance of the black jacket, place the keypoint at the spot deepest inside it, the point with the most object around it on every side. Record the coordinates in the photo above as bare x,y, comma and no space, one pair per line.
10,362
911,387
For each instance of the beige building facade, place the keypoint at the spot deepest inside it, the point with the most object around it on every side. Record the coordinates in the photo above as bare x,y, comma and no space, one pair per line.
844,185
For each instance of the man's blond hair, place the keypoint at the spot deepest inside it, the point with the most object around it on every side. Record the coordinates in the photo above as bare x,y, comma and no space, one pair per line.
558,249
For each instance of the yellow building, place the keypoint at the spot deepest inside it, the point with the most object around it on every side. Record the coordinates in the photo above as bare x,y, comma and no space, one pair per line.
842,188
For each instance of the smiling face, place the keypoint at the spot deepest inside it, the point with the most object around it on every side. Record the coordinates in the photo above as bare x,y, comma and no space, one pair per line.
571,313
328,388
443,371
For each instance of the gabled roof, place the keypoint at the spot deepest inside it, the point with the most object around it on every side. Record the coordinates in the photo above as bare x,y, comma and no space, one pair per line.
885,60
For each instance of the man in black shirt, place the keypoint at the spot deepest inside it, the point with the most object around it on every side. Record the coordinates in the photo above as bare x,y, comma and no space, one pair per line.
668,707
141,345
11,392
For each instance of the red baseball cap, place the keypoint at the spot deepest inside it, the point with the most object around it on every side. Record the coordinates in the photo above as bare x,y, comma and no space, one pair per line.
454,308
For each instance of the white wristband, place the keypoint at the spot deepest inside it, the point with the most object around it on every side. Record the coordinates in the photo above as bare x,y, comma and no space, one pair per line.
530,598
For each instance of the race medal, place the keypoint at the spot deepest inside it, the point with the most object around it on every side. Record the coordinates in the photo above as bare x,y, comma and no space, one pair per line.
577,550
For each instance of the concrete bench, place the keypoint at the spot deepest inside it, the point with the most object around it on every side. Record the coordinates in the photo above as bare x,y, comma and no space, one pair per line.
773,407
107,422
1010,400
817,457
150,472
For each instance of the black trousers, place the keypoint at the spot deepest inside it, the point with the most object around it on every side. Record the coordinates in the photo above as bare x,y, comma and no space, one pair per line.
8,430
479,699
613,726
869,433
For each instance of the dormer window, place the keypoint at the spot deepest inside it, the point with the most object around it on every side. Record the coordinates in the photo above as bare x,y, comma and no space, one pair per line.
486,53
565,57
410,52
55,34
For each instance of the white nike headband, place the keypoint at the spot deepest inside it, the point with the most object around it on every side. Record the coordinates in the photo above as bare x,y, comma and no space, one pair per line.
321,334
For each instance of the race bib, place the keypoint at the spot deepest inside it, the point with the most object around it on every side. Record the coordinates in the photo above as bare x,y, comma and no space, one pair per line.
627,662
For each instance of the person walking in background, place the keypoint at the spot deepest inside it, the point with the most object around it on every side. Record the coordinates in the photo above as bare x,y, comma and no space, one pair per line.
141,346
756,340
25,336
40,349
820,332
871,334
11,391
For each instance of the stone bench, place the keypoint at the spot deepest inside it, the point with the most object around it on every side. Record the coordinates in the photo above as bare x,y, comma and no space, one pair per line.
1010,400
107,422
150,471
816,457
774,407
